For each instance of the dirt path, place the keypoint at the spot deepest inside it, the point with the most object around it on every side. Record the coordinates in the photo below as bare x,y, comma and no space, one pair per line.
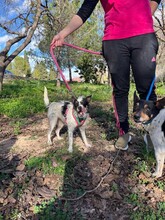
24,194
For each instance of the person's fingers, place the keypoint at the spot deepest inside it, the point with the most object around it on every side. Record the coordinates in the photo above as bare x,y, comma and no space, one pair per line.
55,38
57,41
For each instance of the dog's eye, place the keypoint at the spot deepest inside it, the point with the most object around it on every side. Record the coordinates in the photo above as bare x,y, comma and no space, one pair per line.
83,102
76,103
147,111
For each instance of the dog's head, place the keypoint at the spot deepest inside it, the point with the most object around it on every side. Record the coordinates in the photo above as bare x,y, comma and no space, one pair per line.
144,111
81,105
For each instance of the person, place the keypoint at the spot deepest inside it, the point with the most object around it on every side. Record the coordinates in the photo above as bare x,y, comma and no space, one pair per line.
129,41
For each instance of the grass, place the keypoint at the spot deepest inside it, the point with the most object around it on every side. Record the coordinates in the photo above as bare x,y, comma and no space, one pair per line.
21,98
61,212
17,125
45,163
143,211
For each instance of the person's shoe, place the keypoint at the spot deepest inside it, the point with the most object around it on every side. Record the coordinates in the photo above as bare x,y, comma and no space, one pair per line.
148,142
122,142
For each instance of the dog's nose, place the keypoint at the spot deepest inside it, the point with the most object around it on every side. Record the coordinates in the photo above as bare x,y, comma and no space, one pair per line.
79,108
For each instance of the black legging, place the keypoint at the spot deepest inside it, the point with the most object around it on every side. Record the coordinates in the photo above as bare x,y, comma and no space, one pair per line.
139,53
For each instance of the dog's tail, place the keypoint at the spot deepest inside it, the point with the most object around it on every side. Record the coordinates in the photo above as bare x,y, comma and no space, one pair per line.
46,99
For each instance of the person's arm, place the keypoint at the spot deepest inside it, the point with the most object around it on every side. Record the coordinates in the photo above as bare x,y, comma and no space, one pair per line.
154,5
77,21
73,25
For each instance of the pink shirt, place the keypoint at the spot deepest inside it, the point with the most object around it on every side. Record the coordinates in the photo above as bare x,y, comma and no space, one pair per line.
126,18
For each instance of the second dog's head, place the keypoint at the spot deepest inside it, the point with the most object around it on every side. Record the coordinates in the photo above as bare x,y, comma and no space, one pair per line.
81,104
144,111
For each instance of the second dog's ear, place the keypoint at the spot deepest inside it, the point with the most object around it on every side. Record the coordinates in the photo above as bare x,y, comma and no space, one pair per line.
88,98
136,98
160,104
135,102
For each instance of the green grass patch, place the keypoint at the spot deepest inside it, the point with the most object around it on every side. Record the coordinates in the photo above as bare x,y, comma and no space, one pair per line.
21,98
143,211
46,163
147,213
160,88
55,209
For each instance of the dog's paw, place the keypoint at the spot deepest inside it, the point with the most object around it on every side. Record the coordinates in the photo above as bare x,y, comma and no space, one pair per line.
59,138
70,149
86,150
88,145
156,175
50,143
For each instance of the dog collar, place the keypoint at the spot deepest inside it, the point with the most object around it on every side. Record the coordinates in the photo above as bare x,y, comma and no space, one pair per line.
147,122
79,120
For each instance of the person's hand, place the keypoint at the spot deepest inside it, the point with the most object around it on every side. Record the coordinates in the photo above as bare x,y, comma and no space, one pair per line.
58,40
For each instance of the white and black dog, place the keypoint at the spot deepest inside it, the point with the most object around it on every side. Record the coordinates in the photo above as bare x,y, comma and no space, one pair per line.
152,116
73,114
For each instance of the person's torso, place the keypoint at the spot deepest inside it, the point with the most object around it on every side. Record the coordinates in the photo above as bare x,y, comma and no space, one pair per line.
126,18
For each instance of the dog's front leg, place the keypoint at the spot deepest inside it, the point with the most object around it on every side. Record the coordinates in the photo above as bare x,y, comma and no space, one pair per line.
159,165
83,135
70,135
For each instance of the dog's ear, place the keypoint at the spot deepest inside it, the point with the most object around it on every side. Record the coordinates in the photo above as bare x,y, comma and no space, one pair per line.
88,98
160,104
135,102
136,98
75,102
73,99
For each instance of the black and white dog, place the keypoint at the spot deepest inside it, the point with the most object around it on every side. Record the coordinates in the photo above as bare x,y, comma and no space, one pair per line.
152,116
73,114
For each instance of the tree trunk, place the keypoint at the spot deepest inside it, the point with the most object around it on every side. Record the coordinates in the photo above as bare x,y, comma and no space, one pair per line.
70,72
69,66
58,80
2,71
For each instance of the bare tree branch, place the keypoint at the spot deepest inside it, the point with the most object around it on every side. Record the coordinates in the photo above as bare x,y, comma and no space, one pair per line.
29,35
26,26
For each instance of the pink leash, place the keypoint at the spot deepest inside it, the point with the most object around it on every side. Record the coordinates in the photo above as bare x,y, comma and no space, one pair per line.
52,47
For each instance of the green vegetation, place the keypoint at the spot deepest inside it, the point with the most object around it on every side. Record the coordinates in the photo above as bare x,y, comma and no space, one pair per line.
20,66
24,98
45,163
145,212
47,210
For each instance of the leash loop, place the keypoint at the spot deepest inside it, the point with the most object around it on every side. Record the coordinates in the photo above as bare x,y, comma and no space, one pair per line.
52,47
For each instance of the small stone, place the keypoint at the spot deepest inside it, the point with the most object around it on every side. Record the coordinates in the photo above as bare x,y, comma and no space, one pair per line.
21,167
